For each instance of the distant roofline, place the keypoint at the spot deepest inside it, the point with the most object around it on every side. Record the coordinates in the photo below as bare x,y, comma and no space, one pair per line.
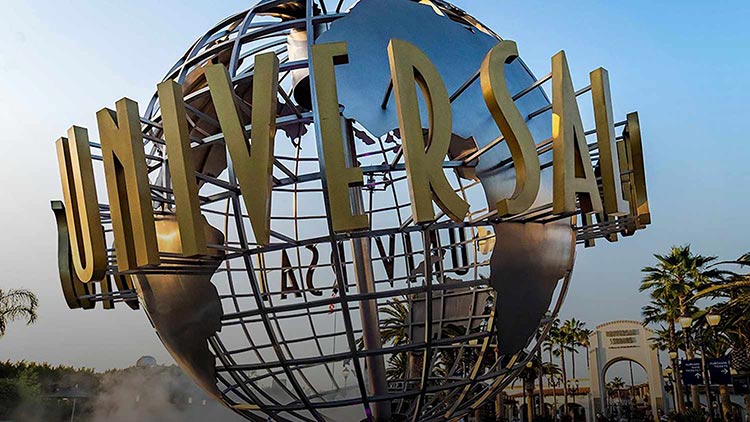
624,321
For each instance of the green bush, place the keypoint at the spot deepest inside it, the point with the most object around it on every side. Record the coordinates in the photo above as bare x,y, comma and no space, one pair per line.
10,397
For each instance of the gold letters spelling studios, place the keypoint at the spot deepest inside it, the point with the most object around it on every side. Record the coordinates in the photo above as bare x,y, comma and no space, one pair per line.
619,190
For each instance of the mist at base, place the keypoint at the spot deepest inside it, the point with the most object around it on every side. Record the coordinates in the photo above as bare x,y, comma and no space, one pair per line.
146,392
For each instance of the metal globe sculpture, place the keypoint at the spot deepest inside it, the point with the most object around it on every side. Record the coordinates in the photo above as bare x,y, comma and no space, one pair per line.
401,321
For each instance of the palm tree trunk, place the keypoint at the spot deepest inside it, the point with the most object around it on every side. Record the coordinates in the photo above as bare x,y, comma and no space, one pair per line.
500,407
694,397
747,403
554,388
679,399
726,408
554,402
530,404
499,399
415,365
542,408
573,362
565,381
588,360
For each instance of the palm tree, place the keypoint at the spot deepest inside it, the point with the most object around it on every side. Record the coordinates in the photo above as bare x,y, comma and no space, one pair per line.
583,338
17,304
734,290
572,329
397,366
666,311
551,371
393,331
672,284
560,340
614,387
714,346
549,347
535,370
393,327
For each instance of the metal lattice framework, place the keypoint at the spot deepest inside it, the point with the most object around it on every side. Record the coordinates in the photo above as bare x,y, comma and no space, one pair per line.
286,353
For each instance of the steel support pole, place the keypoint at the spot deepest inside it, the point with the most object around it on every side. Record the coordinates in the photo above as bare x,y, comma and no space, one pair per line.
368,309
707,385
679,392
542,408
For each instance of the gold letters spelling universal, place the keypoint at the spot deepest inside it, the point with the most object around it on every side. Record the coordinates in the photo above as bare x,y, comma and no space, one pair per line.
623,185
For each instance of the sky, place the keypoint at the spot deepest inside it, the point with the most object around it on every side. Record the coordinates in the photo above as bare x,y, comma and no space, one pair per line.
682,66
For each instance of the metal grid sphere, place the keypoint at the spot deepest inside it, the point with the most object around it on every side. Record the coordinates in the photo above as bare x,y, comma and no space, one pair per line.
297,353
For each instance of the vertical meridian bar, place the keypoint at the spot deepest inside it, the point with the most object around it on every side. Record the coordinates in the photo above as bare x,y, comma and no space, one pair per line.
368,309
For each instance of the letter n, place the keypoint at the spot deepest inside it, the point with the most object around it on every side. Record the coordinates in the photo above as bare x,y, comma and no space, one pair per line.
128,186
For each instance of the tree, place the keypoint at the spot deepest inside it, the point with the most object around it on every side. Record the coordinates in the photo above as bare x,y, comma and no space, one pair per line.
614,387
572,330
9,397
714,346
17,304
552,379
533,371
672,284
583,337
734,292
559,338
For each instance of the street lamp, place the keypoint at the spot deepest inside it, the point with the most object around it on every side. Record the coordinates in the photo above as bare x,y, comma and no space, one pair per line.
713,319
345,373
573,386
686,322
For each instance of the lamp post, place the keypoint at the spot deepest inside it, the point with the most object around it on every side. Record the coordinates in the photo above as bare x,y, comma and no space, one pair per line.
671,385
685,323
554,381
573,386
678,398
528,384
713,320
542,407
707,385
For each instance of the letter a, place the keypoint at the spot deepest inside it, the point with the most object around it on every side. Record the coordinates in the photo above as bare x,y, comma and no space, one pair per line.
573,173
128,186
424,161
